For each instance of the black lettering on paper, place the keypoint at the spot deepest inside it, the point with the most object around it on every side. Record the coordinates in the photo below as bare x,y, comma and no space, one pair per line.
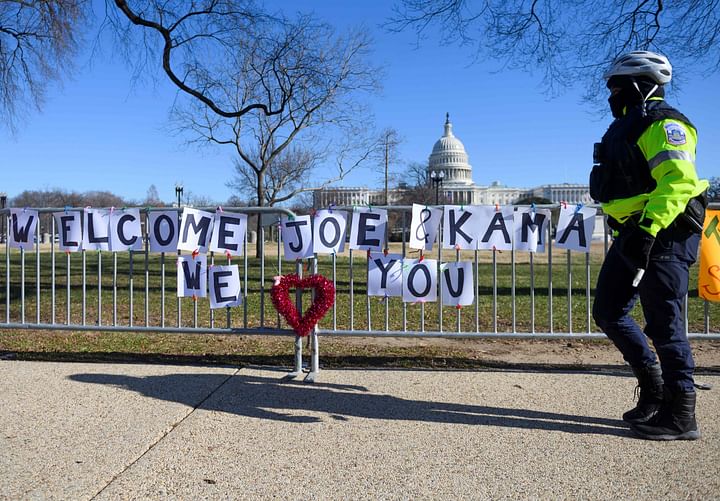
203,226
296,224
497,223
21,234
336,238
219,298
157,227
411,280
529,225
121,235
576,224
364,228
192,279
455,226
461,282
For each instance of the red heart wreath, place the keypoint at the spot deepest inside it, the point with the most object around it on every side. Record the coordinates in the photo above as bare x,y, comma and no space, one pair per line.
324,299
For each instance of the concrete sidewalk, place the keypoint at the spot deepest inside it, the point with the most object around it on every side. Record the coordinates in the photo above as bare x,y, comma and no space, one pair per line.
115,431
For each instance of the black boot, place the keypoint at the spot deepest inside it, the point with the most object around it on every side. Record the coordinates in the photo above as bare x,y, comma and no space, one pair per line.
650,386
674,421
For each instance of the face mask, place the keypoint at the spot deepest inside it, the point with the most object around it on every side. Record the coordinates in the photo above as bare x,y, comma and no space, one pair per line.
617,105
626,98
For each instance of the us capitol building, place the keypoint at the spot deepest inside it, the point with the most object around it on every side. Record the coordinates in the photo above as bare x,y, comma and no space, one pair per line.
449,161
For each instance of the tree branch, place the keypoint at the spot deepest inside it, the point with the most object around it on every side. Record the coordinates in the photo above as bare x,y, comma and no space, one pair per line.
168,47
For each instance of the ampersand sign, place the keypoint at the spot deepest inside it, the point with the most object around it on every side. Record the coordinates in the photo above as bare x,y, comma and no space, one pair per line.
324,299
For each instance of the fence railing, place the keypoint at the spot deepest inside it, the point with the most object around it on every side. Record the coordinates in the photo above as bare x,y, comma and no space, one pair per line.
517,294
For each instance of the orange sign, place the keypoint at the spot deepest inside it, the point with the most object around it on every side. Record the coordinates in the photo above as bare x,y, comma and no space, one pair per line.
709,276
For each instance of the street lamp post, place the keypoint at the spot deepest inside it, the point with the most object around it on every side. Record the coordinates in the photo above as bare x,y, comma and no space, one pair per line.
178,193
437,177
3,201
387,191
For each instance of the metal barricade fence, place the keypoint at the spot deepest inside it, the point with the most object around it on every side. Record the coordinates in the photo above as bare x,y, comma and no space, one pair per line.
517,294
85,276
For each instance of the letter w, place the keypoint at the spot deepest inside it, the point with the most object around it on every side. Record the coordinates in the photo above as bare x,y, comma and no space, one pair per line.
21,234
192,280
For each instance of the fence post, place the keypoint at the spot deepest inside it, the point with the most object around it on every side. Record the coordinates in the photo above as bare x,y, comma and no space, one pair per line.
297,370
314,345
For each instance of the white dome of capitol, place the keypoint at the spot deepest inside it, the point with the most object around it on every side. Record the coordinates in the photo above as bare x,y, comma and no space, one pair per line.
449,157
448,143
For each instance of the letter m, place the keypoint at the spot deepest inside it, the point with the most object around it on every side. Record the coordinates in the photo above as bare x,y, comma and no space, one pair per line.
528,225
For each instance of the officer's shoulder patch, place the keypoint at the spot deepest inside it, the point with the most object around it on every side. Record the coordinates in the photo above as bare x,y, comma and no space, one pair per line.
675,133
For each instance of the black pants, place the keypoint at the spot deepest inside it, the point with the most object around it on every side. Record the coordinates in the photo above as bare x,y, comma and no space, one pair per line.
661,292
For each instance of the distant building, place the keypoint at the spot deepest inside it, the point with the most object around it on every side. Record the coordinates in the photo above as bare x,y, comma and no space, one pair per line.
565,192
449,161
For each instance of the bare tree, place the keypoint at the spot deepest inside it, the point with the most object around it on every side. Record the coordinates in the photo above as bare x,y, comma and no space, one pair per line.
390,141
417,187
38,41
311,81
62,198
276,152
270,167
193,199
270,173
570,41
59,198
417,174
152,197
204,44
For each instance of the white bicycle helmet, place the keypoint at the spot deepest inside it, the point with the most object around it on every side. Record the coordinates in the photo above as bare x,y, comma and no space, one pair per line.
642,63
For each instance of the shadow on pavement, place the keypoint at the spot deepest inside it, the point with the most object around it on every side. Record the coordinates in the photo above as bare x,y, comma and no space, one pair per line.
329,361
268,398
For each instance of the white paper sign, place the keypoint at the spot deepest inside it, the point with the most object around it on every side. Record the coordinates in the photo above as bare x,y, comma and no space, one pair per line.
424,226
163,231
385,274
69,228
329,228
195,230
457,283
461,227
297,237
575,227
228,234
96,230
530,228
225,289
419,280
125,230
192,276
367,229
23,224
497,225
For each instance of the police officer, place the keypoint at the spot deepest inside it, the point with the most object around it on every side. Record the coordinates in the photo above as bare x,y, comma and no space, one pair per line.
646,181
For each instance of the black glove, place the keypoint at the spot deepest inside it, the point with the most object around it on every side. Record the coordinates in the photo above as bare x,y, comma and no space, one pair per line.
636,244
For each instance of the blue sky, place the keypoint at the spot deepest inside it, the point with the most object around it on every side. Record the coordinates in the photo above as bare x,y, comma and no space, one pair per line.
97,133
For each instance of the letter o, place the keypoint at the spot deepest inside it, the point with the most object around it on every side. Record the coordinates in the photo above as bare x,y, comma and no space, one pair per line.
411,279
336,237
157,228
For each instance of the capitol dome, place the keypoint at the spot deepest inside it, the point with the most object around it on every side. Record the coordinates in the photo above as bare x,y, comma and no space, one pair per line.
449,157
